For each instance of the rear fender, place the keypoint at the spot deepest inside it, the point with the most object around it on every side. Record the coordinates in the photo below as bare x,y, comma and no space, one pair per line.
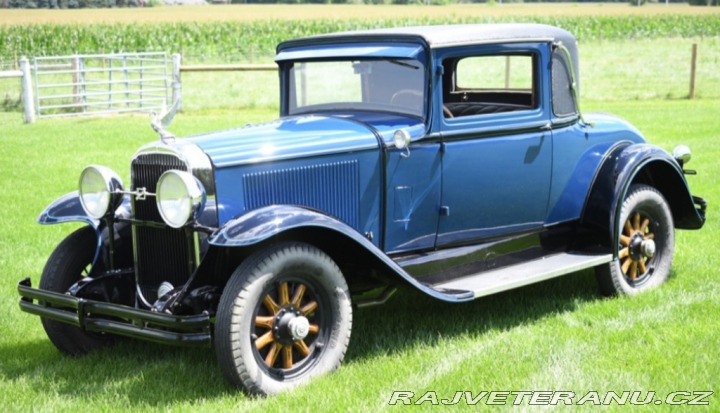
265,223
638,163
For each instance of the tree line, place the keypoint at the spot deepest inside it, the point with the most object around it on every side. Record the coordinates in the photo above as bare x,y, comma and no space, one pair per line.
81,4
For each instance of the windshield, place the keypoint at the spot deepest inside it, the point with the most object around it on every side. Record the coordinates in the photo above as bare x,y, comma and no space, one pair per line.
390,85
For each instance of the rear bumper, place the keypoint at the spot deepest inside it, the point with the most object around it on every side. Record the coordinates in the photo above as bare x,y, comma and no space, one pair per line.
98,316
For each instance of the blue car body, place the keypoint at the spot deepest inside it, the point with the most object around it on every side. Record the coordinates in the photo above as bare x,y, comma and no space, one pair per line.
419,180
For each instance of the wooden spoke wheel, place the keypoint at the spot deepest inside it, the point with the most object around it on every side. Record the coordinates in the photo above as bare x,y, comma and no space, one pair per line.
283,318
645,244
287,326
637,246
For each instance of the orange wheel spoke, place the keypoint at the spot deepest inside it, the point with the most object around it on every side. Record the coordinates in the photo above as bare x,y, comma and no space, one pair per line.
626,265
644,226
636,222
628,228
271,305
298,295
624,240
649,235
272,355
624,253
287,357
313,329
264,340
284,294
642,267
264,321
633,270
302,348
309,307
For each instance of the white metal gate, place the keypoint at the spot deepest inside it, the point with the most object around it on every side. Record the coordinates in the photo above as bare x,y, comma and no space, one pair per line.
103,83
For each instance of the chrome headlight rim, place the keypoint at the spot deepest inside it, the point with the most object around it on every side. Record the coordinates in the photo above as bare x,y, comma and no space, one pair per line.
682,154
180,198
100,189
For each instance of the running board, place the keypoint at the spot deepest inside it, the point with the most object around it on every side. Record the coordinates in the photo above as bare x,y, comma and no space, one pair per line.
507,278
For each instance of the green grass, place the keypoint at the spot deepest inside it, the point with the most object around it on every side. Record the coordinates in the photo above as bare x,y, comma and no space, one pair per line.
558,335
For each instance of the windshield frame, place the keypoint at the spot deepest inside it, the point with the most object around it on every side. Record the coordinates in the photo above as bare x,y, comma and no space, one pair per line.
400,55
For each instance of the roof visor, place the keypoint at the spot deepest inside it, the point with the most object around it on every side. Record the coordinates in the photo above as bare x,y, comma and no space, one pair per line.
345,50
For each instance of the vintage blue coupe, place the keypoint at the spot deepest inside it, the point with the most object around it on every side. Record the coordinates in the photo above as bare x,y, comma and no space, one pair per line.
453,159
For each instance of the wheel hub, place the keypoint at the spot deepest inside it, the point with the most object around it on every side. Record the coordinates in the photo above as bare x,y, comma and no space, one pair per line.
636,247
299,327
290,325
648,248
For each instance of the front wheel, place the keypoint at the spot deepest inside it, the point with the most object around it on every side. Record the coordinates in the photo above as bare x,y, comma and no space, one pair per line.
284,317
69,263
646,242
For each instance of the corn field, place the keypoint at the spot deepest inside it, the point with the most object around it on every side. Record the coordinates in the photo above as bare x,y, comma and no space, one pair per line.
246,41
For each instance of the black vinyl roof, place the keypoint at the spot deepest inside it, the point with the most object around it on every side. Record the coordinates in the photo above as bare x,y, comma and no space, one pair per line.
454,35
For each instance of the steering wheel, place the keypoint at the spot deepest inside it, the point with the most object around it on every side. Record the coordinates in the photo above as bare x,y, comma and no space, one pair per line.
405,96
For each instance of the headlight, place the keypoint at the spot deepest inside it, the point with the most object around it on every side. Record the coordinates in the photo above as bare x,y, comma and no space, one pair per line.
100,190
180,198
682,154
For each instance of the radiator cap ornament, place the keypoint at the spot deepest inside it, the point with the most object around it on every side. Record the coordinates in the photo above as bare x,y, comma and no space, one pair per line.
161,121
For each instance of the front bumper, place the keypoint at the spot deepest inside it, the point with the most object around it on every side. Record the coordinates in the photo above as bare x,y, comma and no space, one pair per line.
701,206
98,316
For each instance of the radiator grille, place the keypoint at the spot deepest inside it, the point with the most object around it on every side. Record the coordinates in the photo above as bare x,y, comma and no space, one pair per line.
161,254
332,188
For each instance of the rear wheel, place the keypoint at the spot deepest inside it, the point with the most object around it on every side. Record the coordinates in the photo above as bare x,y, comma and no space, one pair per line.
69,263
646,242
284,317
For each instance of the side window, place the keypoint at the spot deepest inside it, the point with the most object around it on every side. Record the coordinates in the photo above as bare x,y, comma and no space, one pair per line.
563,99
481,85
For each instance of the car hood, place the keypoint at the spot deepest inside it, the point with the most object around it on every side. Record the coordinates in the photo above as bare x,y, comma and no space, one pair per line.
299,137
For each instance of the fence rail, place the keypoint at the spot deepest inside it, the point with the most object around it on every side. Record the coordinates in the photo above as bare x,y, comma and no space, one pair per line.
109,83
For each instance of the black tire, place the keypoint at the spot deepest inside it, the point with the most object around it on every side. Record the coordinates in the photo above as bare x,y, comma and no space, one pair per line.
259,339
68,264
645,218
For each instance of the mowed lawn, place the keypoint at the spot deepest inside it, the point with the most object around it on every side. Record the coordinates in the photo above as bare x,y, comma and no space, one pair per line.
559,335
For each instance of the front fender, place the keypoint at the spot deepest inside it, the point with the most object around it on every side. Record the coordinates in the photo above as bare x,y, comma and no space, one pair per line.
264,223
639,163
68,208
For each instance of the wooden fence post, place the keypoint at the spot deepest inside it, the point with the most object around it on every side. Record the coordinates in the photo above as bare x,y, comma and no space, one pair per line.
693,70
28,101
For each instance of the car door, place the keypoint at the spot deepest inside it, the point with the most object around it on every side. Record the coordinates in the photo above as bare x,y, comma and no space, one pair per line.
497,147
413,197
